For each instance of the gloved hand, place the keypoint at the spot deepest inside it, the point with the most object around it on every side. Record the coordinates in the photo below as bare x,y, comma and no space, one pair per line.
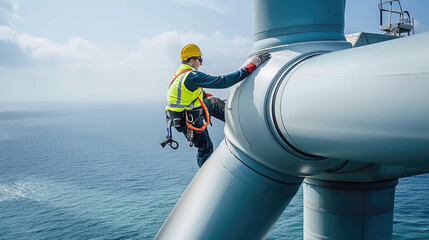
257,60
260,58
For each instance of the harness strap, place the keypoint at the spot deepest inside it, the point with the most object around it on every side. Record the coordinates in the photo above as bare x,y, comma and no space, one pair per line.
207,117
180,73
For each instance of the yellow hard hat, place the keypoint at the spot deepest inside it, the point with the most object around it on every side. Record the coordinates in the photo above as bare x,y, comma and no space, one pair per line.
190,50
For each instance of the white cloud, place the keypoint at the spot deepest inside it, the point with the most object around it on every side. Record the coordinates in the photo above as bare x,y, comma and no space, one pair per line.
162,49
12,55
81,71
154,64
76,49
215,46
76,53
209,4
7,33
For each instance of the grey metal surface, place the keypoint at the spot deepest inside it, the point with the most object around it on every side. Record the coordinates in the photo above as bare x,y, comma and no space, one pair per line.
249,125
352,211
366,104
228,200
365,38
279,22
366,172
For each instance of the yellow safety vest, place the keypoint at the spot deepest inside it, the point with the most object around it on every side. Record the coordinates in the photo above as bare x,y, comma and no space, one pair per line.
179,97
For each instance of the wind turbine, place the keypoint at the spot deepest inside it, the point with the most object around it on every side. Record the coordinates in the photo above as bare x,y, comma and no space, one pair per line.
344,122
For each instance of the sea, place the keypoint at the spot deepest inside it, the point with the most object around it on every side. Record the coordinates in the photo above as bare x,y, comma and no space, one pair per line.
97,171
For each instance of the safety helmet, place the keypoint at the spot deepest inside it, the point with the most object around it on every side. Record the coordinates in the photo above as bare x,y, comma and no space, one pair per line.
190,50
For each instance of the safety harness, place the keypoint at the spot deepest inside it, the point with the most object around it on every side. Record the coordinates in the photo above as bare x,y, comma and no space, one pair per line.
190,120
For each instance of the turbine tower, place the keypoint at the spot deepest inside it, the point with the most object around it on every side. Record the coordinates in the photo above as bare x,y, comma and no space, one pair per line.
344,122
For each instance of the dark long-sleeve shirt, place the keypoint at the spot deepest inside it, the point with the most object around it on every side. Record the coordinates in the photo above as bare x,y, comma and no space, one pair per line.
198,79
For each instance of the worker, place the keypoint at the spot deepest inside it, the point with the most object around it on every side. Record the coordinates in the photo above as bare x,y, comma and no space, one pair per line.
189,107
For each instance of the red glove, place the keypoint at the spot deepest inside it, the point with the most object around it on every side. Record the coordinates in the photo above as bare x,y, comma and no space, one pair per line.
251,66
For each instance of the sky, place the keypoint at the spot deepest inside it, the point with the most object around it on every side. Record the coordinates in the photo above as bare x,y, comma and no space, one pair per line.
120,51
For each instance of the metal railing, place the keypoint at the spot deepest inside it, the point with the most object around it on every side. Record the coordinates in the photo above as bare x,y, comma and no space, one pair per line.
405,23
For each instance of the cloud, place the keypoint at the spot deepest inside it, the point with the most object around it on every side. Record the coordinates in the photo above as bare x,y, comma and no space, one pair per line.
7,33
209,4
7,11
12,55
156,61
81,71
165,48
75,53
76,49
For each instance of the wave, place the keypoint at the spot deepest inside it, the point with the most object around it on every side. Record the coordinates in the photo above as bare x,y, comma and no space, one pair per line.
25,189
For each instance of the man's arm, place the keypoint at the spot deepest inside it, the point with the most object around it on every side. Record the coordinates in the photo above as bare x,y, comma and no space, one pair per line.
198,79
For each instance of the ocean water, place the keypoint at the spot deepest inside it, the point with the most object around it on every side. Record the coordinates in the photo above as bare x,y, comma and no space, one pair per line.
98,172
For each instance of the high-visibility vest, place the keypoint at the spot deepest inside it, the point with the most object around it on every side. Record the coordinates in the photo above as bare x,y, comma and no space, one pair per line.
179,97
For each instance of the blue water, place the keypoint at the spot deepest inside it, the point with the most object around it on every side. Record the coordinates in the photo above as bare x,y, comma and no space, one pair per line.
98,172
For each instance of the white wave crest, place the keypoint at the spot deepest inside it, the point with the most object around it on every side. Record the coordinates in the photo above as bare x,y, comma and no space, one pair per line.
24,189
